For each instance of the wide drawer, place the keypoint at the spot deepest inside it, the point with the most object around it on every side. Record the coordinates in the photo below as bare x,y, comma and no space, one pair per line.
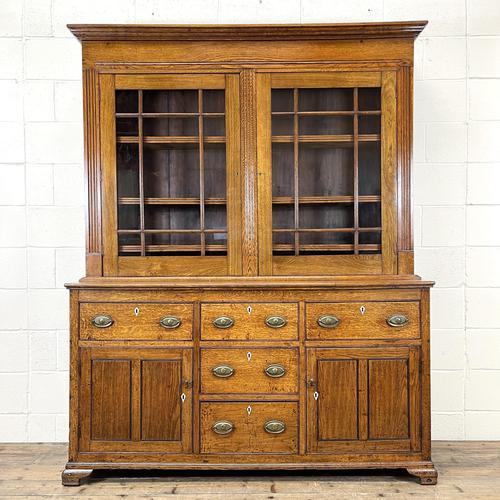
363,320
248,427
252,370
249,321
136,321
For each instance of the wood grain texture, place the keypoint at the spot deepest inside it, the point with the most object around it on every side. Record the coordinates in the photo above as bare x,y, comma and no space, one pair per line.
371,323
249,376
389,174
249,436
92,166
136,321
388,399
325,80
249,170
247,32
249,324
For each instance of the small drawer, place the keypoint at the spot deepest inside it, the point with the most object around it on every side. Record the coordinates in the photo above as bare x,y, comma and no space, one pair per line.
249,321
133,321
249,371
363,320
249,427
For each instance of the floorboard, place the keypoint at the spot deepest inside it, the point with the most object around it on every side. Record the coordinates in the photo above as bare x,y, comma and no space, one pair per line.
466,470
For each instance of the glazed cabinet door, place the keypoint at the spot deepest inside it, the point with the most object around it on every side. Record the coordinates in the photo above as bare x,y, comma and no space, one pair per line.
135,399
170,174
363,399
327,181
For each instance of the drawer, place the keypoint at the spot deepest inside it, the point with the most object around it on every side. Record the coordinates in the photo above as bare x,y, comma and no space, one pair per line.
136,321
248,427
249,321
252,370
363,320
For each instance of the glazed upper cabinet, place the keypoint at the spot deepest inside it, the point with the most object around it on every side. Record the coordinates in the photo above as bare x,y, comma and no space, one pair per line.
171,174
176,201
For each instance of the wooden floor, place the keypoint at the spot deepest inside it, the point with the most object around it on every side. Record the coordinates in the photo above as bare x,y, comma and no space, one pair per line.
466,470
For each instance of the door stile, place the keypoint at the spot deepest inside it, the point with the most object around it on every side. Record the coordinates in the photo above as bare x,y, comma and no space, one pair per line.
233,175
389,173
108,185
248,122
264,174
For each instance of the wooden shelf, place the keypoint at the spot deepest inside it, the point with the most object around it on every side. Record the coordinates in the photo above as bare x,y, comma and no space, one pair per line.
340,247
171,248
170,231
344,138
329,230
169,115
170,139
324,200
171,201
325,113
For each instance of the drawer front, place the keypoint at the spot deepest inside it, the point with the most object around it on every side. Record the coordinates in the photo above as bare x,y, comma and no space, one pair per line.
249,321
363,320
248,427
252,371
136,321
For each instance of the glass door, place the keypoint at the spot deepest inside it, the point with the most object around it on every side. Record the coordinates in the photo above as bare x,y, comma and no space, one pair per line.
327,173
173,206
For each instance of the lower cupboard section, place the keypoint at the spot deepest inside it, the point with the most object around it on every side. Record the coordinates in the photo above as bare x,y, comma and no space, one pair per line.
350,400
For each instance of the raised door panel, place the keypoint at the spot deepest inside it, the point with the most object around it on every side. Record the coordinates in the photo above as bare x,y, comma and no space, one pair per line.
111,399
363,400
338,406
136,399
171,197
327,182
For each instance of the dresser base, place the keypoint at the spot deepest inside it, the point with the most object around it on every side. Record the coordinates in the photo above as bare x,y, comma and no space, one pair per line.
75,473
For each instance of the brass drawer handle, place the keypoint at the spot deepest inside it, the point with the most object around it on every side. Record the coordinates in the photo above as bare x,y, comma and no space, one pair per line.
328,321
223,322
275,371
397,320
223,371
170,322
223,427
274,426
275,321
102,321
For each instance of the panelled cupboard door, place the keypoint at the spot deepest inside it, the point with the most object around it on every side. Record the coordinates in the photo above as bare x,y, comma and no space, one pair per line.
170,166
136,399
363,400
327,183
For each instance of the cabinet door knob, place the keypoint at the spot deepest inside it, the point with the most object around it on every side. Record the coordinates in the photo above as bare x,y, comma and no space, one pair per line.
328,321
223,371
170,322
223,427
274,426
102,321
397,320
275,321
275,371
223,322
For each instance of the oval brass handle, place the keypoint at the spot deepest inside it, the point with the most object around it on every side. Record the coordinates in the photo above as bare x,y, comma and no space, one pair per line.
223,427
328,321
275,321
223,322
275,371
102,321
223,371
398,320
170,322
274,426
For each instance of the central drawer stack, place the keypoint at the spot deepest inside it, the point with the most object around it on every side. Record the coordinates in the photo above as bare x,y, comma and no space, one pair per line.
237,366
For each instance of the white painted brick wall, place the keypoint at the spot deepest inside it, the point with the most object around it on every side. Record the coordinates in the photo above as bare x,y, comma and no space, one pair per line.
456,181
